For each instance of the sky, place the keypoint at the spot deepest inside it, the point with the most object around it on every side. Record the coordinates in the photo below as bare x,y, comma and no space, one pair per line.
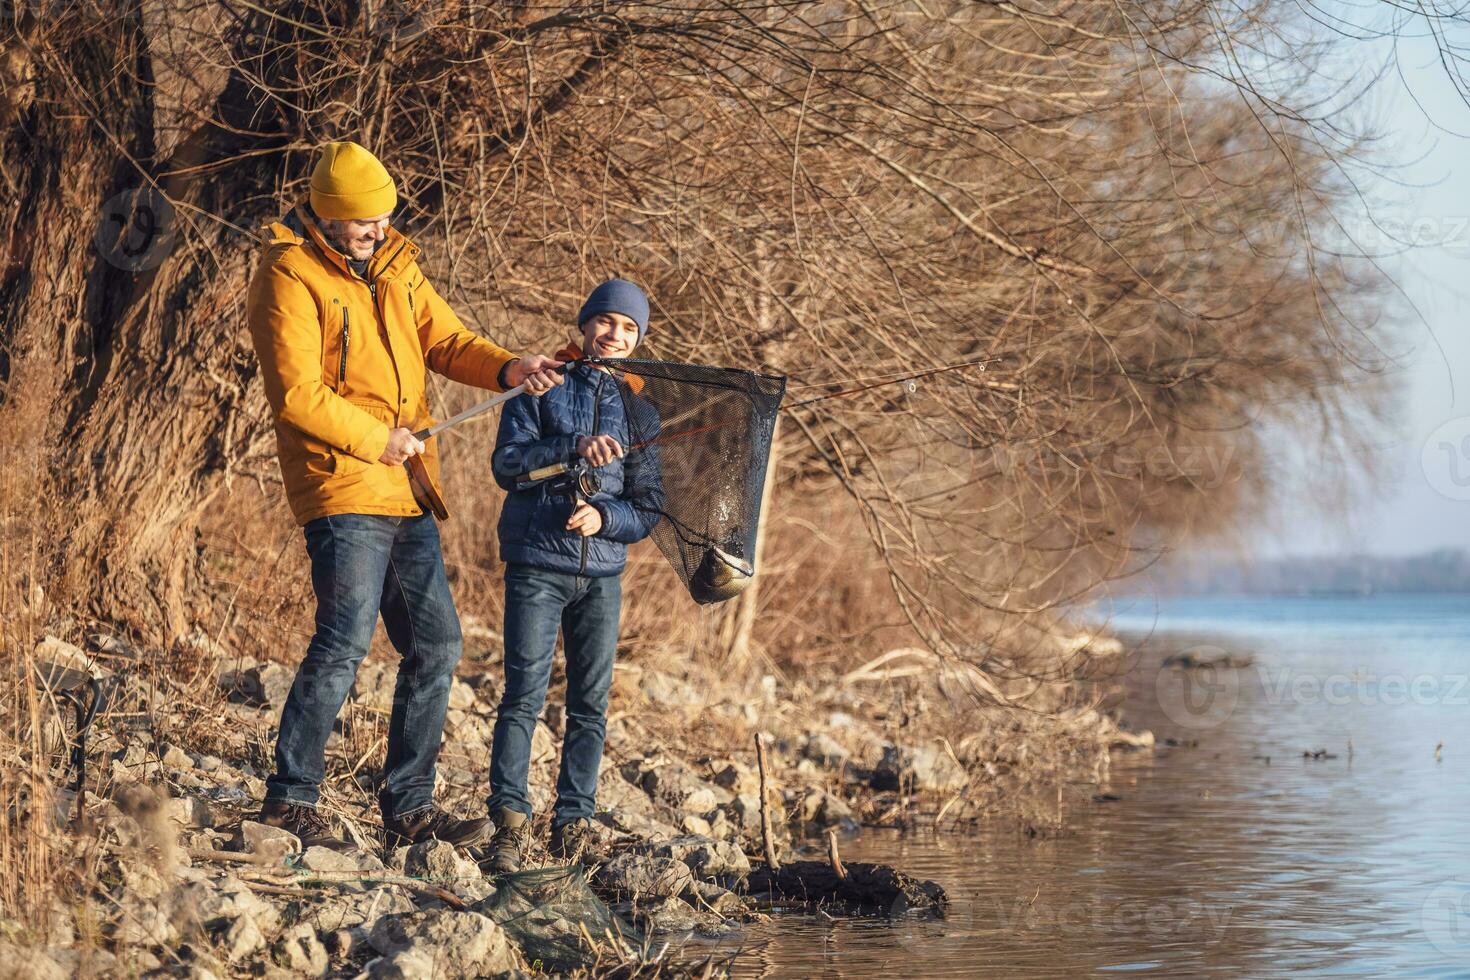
1420,499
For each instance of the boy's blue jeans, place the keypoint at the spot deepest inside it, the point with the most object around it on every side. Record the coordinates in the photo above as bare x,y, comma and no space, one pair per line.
537,602
363,564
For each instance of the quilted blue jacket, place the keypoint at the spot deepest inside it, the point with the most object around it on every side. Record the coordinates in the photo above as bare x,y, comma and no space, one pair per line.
538,432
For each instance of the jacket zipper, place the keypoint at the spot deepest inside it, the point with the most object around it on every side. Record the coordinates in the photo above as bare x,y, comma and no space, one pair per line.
342,367
372,285
596,423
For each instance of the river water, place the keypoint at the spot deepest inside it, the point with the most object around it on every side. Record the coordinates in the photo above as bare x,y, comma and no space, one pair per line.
1235,856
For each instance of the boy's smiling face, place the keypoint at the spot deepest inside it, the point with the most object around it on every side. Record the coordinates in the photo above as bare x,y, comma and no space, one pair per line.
609,335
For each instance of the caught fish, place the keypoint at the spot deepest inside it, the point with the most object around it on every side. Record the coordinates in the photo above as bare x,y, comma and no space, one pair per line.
720,576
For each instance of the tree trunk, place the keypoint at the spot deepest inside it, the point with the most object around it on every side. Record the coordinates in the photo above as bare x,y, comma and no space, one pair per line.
123,312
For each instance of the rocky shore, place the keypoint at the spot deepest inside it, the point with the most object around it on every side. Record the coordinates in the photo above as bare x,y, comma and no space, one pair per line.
168,876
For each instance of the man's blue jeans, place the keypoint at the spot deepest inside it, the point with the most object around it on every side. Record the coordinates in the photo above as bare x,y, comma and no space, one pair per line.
363,564
537,601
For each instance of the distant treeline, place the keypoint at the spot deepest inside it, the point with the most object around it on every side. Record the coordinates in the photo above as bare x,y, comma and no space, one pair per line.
1444,570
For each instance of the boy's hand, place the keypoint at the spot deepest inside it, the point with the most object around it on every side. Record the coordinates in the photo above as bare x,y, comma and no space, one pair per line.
586,520
599,450
537,372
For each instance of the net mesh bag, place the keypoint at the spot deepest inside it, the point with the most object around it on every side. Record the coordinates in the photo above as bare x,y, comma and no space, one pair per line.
699,441
551,912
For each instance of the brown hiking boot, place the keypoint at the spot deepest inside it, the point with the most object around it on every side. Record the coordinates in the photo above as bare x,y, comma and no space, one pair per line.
508,846
432,823
573,842
313,829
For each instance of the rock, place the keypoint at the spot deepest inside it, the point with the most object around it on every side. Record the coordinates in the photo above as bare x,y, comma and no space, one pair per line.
452,943
633,876
60,666
719,900
677,915
356,910
617,793
675,784
824,750
643,827
242,938
817,806
746,811
30,963
300,950
142,881
176,758
229,676
660,688
443,863
738,778
189,811
221,905
320,858
144,922
922,769
704,856
374,685
696,825
342,943
275,843
700,800
720,827
90,962
461,695
266,685
209,763
412,964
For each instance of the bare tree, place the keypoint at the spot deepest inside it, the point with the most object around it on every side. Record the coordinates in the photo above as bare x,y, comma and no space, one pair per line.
1102,202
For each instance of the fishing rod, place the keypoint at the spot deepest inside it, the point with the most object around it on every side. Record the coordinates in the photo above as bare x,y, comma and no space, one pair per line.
495,400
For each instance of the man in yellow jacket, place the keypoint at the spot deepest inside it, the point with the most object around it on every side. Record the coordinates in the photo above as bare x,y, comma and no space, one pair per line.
345,325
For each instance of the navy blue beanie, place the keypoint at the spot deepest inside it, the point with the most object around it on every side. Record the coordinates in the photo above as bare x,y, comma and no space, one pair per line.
617,296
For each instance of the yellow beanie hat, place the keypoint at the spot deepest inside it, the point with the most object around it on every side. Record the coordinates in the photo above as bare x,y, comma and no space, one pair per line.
349,182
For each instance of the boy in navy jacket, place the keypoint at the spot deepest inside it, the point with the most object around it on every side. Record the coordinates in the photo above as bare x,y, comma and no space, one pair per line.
565,547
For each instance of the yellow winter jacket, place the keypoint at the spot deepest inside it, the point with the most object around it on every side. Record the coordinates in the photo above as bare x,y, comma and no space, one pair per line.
343,359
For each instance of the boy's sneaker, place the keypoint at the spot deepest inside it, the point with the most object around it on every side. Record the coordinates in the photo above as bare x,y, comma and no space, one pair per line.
573,841
309,826
432,823
508,847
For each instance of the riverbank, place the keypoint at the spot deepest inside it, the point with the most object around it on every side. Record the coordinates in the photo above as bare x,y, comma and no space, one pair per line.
147,881
1231,849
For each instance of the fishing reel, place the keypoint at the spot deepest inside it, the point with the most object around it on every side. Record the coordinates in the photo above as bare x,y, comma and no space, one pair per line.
577,479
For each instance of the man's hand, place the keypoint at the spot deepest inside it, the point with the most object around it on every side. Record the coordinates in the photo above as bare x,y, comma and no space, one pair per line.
401,445
586,520
599,450
537,372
